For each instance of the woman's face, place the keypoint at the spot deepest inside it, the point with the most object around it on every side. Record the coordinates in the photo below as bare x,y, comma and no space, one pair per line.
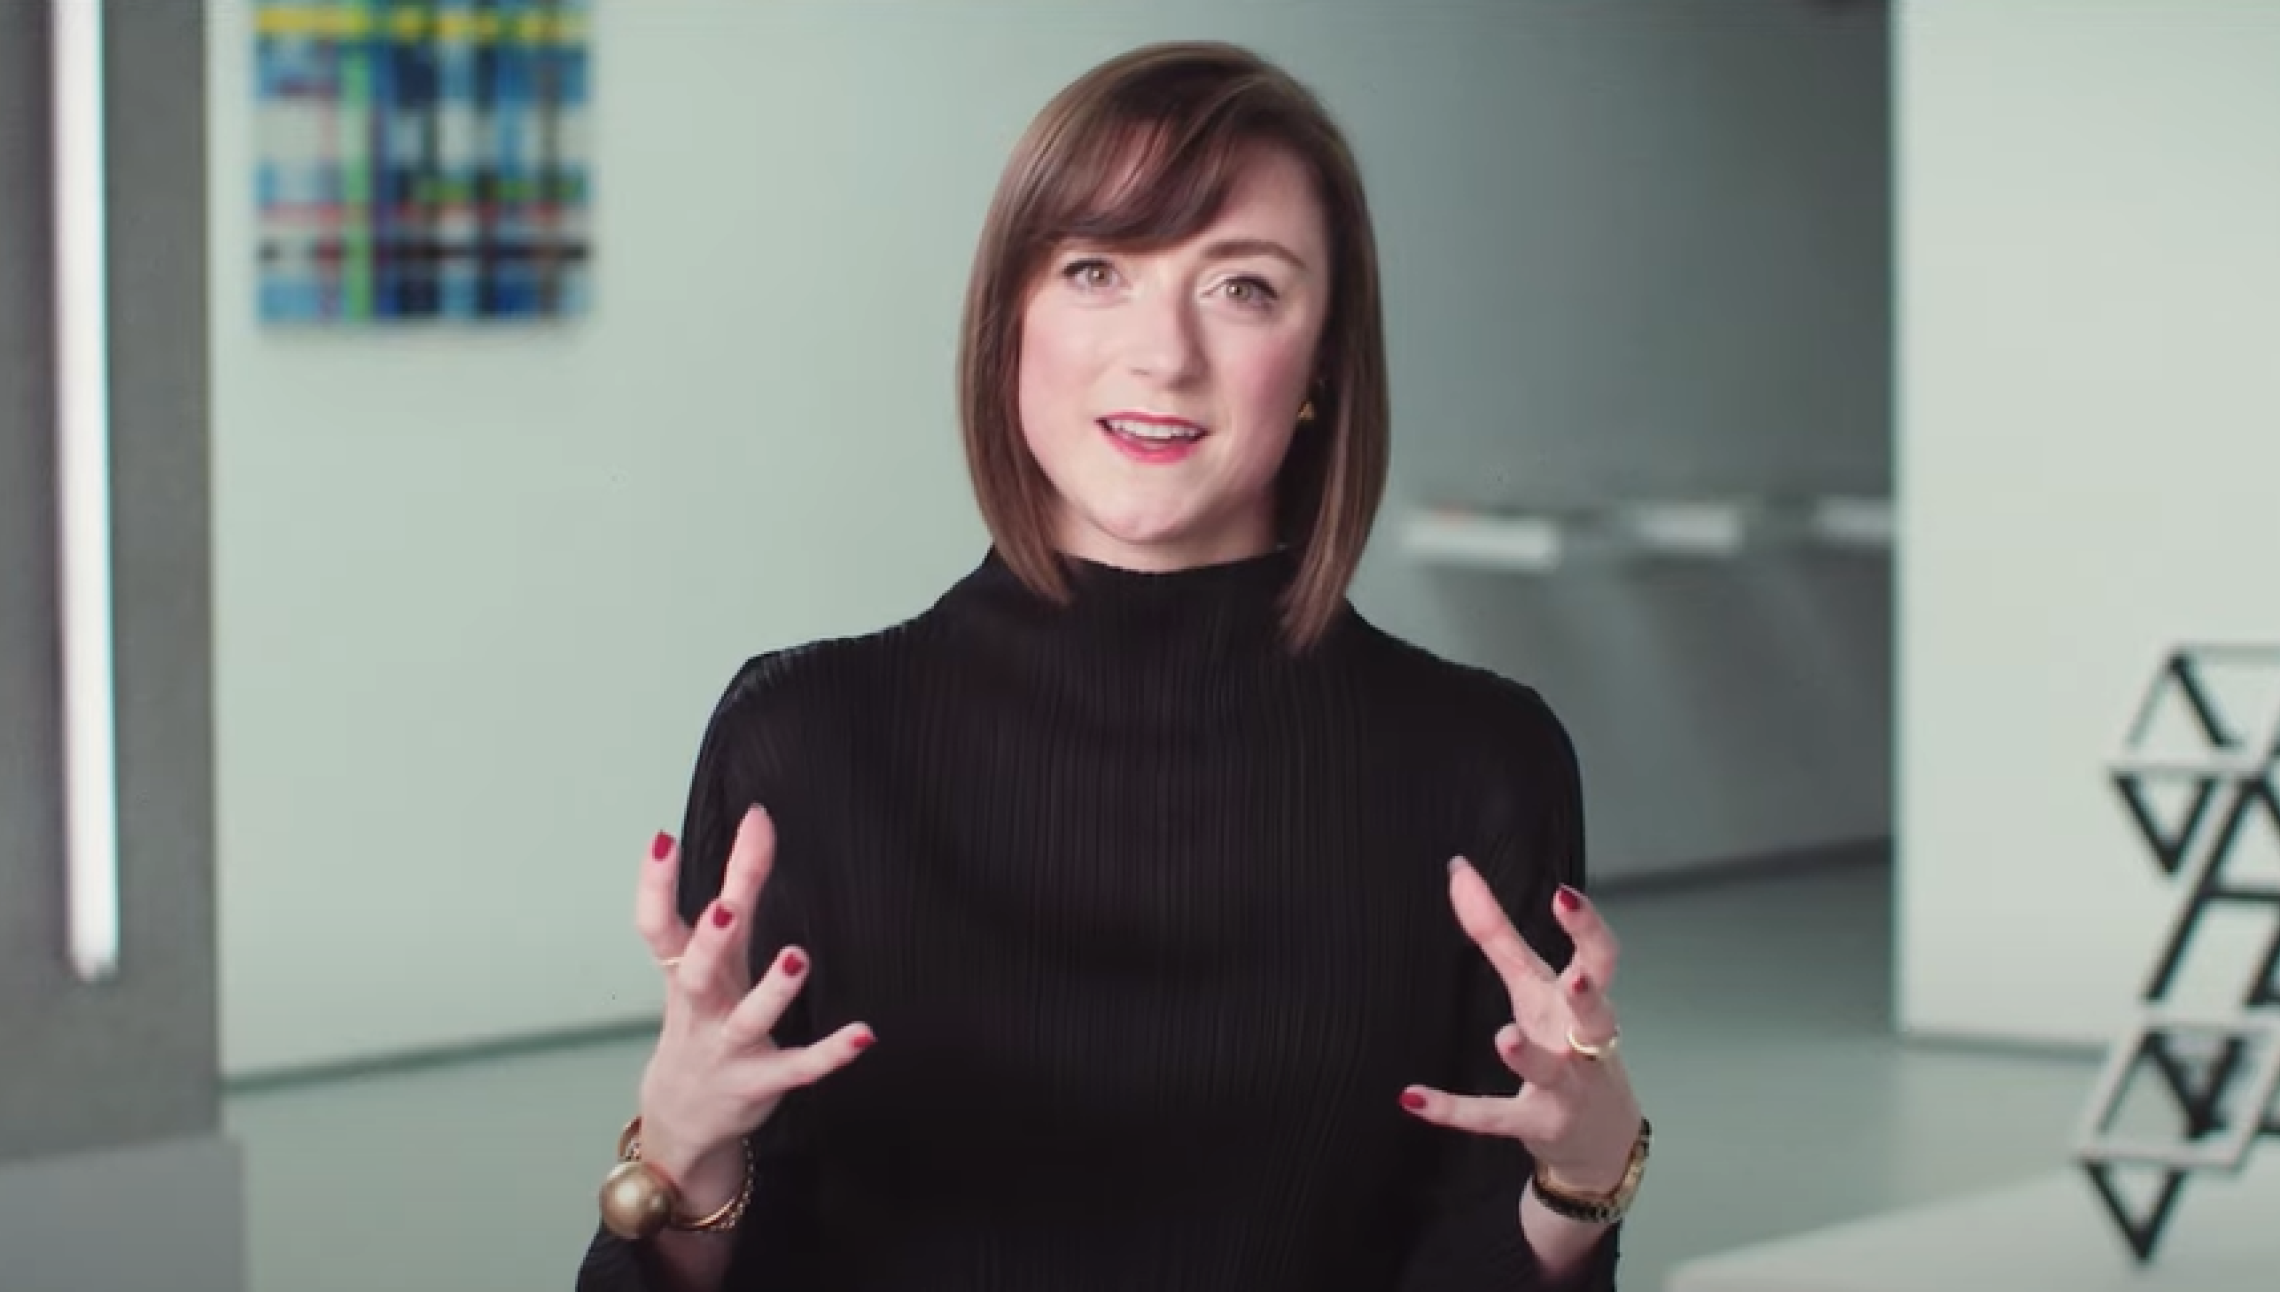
1159,391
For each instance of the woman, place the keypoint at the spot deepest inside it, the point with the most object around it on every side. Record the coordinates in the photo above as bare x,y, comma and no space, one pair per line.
1133,853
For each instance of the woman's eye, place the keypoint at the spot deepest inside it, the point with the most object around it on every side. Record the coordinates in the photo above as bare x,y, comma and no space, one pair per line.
1250,291
1089,273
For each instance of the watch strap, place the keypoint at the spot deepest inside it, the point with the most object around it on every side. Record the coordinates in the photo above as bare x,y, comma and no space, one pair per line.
1598,1208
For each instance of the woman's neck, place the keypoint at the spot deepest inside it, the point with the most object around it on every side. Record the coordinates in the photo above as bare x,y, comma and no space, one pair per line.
1221,608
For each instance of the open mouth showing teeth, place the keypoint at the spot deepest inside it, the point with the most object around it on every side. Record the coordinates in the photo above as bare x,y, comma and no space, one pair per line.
1153,432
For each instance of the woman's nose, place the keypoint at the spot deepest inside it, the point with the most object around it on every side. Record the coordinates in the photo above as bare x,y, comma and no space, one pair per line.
1164,341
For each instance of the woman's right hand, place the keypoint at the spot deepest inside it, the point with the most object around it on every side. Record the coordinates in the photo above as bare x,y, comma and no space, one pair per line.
717,1074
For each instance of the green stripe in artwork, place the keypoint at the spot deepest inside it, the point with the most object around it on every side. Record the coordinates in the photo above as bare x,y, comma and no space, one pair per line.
438,190
356,189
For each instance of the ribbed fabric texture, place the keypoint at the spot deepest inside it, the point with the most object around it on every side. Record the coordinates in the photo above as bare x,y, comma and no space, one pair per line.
1151,919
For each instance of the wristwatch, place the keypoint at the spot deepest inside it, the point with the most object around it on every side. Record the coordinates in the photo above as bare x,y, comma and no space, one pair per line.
1598,1208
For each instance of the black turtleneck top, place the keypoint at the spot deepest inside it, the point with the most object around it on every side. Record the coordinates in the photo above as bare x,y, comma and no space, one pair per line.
1150,917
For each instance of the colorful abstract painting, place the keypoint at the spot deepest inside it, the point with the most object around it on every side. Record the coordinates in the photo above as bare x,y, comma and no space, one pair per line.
422,159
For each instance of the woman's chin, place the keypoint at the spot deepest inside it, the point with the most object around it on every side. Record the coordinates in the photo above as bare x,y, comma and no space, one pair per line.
1159,542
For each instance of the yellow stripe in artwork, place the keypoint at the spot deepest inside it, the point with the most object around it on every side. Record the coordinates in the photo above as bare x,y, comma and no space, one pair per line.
345,22
317,22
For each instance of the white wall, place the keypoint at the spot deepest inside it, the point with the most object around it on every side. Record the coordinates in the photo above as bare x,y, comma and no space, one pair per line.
2089,437
476,590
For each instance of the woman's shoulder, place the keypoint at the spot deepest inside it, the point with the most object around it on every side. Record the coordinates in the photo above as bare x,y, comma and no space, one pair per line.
1464,706
823,677
1493,746
789,713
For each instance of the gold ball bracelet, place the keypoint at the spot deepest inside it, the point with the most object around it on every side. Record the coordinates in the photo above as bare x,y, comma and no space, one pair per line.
638,1201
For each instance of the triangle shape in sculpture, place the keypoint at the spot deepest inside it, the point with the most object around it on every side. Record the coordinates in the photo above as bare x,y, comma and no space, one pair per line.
2248,863
2200,1071
2168,810
2240,685
2139,1199
2179,719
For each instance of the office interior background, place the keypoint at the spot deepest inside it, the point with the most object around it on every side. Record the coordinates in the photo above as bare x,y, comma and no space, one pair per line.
1845,412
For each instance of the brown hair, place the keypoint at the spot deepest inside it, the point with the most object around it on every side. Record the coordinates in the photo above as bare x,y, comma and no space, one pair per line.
1141,151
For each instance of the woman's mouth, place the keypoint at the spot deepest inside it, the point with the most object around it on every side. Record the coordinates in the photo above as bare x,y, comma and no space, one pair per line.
1153,440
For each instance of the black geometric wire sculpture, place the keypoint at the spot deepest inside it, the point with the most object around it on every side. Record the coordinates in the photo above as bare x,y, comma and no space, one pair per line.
2221,1069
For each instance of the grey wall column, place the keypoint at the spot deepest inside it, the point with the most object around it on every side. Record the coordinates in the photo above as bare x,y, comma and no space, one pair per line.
114,1172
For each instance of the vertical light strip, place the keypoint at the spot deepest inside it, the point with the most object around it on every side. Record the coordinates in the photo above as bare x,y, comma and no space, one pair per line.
83,459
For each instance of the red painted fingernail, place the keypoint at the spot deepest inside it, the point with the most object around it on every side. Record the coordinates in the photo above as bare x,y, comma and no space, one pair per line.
863,1040
1580,984
1413,1101
1570,900
660,845
793,964
721,916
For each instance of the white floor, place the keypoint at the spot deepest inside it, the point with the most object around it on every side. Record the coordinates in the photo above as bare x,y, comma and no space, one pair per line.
2040,1236
1756,1022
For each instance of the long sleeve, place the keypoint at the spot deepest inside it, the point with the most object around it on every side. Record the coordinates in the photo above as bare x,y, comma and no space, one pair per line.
733,770
1472,1239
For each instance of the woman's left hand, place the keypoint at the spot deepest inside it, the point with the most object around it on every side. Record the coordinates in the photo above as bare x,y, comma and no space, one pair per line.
1575,1113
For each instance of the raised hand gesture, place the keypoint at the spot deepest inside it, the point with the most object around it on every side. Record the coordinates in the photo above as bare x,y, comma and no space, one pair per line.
1575,1110
717,1073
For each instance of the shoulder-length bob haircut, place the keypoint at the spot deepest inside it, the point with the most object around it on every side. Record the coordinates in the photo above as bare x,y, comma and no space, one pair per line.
1141,152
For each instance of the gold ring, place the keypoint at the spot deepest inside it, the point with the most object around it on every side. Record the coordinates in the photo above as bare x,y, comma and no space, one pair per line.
1594,1052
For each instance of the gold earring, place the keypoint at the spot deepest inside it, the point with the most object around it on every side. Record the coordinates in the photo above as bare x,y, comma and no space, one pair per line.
1306,412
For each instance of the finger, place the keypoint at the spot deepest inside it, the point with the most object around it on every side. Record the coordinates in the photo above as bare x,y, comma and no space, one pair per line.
1596,950
713,974
751,857
808,1064
1526,976
1527,1060
755,1017
1484,921
1594,1014
655,914
1474,1114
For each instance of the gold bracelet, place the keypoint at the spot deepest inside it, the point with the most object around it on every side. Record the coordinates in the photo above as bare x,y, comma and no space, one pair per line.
638,1201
